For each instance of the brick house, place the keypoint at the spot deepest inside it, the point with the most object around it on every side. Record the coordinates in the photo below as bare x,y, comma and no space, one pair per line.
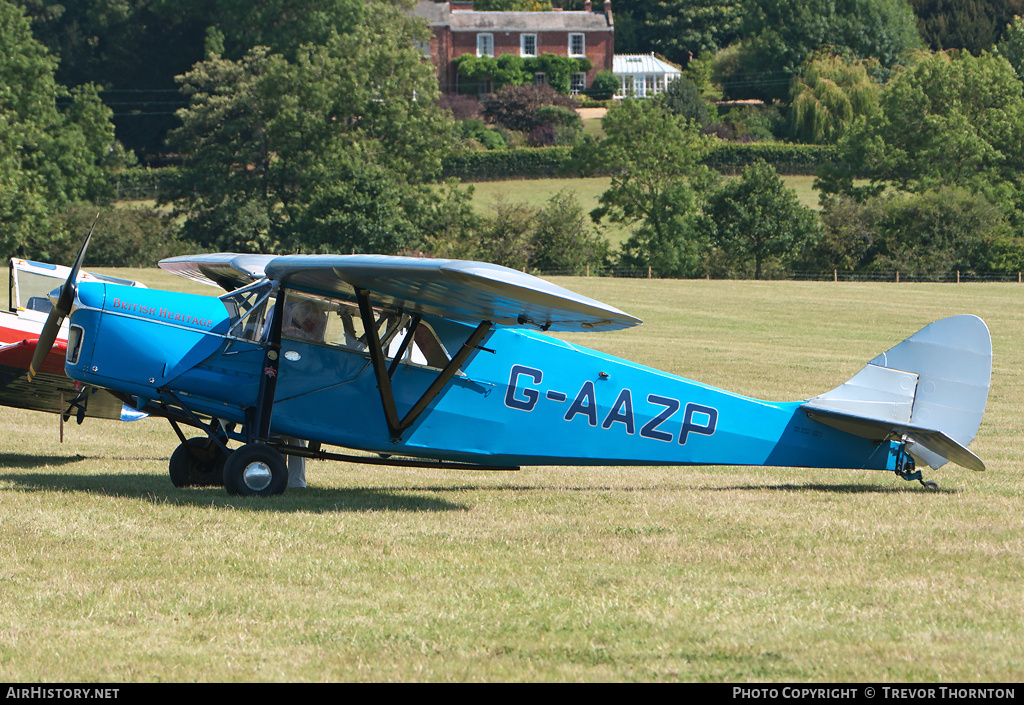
458,29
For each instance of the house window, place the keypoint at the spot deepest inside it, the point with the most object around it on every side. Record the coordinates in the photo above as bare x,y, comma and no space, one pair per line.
579,83
485,45
528,45
577,45
540,78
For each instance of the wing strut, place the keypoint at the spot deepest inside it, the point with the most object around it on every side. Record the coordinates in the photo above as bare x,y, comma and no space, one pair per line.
397,426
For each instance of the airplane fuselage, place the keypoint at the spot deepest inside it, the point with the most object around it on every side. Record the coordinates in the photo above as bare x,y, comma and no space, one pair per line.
521,398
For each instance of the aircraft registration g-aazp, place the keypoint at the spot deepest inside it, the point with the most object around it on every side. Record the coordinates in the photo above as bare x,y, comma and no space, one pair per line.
445,363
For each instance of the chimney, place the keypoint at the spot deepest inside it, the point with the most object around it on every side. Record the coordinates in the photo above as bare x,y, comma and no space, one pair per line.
587,7
462,5
608,10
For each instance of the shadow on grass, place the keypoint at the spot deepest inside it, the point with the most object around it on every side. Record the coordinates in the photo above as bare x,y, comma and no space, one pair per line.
16,460
839,488
158,490
425,497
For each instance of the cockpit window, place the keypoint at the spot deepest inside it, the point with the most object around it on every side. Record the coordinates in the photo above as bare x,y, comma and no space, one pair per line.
248,310
29,290
338,323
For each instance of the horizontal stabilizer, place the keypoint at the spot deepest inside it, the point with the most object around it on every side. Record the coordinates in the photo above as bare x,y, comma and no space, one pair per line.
935,441
932,388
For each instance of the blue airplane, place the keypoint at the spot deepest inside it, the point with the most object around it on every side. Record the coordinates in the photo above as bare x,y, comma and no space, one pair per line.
445,363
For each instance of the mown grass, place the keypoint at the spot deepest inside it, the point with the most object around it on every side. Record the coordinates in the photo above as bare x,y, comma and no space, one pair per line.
549,574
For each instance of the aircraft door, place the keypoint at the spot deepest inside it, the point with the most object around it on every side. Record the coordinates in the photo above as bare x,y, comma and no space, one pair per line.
326,387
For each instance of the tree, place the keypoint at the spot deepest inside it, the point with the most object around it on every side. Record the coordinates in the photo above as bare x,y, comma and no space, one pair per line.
946,119
333,151
756,221
653,157
939,231
1011,46
135,48
506,237
683,98
56,146
973,25
780,35
476,73
683,29
563,241
829,95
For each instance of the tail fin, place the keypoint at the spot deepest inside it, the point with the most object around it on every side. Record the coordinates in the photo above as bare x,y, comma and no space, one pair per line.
931,389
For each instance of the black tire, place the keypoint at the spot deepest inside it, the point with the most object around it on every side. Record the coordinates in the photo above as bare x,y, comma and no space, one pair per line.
199,462
255,470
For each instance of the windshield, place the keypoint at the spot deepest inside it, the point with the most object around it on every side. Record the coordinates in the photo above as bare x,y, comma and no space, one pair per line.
247,308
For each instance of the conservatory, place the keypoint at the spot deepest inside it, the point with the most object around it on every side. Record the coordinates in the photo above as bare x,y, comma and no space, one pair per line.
642,75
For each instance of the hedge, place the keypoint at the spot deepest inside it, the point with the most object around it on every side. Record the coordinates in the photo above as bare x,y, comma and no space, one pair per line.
538,163
524,163
544,162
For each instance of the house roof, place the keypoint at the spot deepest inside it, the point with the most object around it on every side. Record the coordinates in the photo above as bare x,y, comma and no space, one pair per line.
641,63
432,12
473,21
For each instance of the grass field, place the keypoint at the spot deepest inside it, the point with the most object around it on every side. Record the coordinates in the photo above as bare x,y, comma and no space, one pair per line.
550,574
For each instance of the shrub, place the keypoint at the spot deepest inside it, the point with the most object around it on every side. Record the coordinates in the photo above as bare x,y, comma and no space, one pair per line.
542,136
515,107
475,129
606,84
682,98
933,233
462,107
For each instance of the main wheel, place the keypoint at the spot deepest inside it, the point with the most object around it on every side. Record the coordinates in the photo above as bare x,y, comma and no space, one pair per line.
199,462
255,470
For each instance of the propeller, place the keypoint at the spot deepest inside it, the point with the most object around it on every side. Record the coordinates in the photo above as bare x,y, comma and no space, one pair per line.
60,309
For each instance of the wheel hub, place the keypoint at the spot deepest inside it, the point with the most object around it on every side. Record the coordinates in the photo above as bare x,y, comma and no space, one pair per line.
257,476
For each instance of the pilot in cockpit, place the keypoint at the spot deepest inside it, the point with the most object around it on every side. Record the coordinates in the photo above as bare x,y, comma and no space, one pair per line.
304,320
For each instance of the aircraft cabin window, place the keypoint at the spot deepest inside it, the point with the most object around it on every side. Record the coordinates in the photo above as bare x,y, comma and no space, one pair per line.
338,323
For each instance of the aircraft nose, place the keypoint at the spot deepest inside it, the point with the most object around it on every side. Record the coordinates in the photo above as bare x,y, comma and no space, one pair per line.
54,296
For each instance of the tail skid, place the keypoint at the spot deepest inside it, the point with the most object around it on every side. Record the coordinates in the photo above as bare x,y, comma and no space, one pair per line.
929,392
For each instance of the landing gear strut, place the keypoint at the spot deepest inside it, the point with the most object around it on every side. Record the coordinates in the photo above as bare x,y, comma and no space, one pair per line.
907,469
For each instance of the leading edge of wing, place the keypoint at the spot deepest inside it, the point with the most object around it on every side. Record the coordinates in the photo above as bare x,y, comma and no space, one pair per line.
455,289
227,270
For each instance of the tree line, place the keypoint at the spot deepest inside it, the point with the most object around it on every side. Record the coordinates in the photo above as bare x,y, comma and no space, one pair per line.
318,127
